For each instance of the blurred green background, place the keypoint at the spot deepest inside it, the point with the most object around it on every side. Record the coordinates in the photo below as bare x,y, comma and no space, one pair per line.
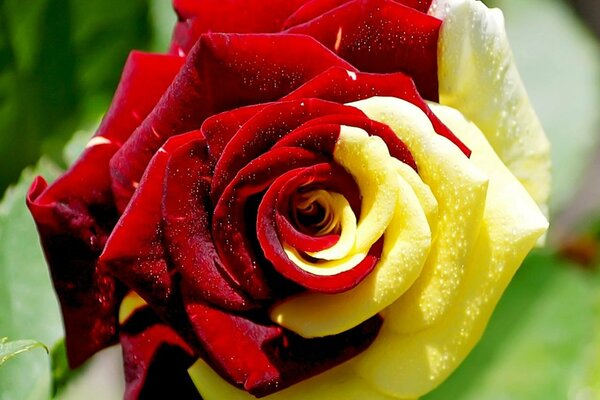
60,61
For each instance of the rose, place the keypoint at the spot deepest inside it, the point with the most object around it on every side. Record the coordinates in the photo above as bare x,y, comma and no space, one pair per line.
170,241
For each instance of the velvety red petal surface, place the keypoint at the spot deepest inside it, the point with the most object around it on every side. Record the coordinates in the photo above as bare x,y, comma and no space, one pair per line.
219,129
261,358
186,213
381,36
228,16
134,252
155,359
264,129
76,214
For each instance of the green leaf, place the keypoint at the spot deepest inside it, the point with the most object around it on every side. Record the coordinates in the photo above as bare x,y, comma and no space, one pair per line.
29,306
559,61
543,341
61,372
9,350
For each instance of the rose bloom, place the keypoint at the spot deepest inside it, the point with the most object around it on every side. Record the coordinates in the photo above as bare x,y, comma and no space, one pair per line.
302,200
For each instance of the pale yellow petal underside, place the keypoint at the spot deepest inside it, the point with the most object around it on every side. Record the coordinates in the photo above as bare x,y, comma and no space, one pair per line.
478,76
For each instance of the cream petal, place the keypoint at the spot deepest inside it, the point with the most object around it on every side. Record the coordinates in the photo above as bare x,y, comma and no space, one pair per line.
478,76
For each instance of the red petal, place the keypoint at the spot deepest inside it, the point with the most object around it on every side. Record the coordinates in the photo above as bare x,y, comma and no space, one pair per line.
186,212
76,213
227,16
421,5
262,359
381,36
310,10
134,252
219,129
263,130
155,359
315,8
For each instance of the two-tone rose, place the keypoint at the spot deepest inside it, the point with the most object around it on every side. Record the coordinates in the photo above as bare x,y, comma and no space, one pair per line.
280,204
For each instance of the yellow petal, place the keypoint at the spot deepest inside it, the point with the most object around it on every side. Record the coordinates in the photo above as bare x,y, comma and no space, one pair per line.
460,190
367,159
426,198
410,365
478,76
130,303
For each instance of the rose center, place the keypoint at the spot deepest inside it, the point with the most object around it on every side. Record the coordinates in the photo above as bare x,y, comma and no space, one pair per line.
313,213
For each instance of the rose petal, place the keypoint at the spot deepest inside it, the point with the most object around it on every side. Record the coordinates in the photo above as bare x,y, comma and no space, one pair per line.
204,16
219,129
512,223
314,8
186,224
134,251
478,76
75,214
381,36
310,10
261,358
460,190
154,354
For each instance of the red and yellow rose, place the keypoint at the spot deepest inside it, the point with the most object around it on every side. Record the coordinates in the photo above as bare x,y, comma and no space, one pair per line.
303,199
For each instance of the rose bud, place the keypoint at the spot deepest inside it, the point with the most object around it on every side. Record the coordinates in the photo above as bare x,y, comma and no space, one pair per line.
302,199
